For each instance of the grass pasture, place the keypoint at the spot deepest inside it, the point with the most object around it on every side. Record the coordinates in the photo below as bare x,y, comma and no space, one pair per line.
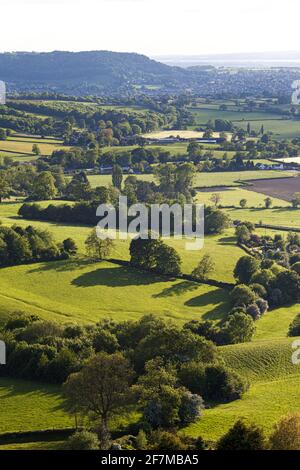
206,180
273,393
24,146
78,291
29,406
233,196
280,126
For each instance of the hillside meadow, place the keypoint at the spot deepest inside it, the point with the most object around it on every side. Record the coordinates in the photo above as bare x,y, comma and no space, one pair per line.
273,393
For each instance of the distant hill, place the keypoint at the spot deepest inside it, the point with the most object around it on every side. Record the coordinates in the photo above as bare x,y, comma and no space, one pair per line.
89,71
115,73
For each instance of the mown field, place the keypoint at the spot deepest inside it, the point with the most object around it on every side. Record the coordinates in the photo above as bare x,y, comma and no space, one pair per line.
274,390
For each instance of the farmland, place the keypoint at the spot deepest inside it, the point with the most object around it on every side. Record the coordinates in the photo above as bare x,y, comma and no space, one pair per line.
285,188
280,126
84,291
206,180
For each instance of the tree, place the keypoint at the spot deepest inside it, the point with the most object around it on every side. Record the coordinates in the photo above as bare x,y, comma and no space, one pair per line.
102,388
204,268
245,268
216,198
243,203
242,295
36,149
242,436
286,435
43,186
268,203
243,234
296,200
117,177
96,247
223,384
165,403
172,345
69,246
154,255
239,328
216,222
3,135
289,284
5,189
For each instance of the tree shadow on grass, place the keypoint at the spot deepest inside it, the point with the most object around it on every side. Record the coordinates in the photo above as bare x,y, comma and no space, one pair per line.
115,277
62,266
177,289
217,299
227,241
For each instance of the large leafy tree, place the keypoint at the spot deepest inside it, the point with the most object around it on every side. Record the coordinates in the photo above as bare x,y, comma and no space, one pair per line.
101,388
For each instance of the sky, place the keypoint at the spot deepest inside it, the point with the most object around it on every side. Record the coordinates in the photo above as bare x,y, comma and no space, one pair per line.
151,27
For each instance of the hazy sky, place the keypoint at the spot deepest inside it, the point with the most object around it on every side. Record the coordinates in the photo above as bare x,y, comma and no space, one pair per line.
152,27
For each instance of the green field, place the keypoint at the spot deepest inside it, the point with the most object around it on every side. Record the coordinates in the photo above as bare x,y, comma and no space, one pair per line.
274,390
233,196
205,180
27,406
78,291
24,146
280,126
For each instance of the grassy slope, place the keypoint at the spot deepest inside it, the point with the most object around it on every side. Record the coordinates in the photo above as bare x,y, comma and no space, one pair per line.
213,245
27,406
78,291
274,389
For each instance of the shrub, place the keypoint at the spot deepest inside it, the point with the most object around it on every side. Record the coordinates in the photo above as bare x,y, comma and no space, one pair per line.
294,329
242,295
190,408
245,268
223,384
192,376
163,440
83,440
242,436
239,328
286,435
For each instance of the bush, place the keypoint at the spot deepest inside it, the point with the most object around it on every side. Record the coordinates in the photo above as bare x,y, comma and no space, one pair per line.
245,268
163,440
286,435
192,376
294,329
105,341
259,290
190,408
242,437
242,295
223,384
239,328
83,440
